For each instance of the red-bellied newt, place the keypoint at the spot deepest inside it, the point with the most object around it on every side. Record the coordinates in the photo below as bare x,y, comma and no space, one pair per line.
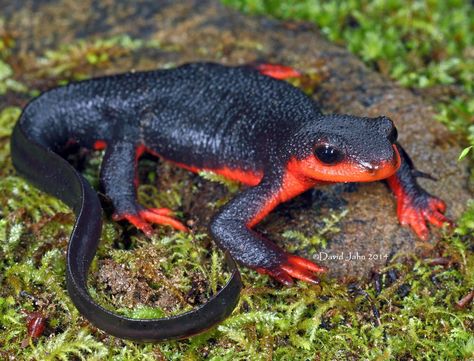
242,122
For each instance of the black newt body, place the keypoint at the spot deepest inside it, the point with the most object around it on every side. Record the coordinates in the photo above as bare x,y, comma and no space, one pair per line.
240,122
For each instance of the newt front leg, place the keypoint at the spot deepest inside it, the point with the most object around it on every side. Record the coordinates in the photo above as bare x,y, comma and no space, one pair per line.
232,229
415,206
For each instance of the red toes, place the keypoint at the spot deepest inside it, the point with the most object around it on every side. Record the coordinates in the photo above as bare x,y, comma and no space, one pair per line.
417,216
418,225
280,275
294,267
436,218
144,217
438,204
137,221
305,263
154,217
161,211
410,216
301,274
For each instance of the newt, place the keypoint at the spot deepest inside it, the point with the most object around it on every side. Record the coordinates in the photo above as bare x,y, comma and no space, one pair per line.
242,122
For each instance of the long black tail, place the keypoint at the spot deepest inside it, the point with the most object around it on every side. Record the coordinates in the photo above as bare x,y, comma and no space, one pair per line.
51,173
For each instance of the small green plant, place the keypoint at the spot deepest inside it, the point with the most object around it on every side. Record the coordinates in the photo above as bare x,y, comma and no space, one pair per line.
465,152
81,345
213,177
316,240
7,82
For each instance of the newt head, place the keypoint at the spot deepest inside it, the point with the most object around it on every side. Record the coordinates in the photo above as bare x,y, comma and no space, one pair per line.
345,148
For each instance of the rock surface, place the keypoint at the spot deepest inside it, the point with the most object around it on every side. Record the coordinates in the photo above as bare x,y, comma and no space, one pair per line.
205,30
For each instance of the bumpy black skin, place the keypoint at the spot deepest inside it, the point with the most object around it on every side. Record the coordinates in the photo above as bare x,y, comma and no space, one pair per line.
203,115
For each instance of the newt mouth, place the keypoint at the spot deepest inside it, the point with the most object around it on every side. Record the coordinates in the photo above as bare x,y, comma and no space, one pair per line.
383,169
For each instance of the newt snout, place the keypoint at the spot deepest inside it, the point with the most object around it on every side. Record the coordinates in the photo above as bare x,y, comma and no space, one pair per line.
383,160
387,128
383,169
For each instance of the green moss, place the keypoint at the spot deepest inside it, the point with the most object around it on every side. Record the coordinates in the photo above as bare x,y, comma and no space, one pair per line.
231,186
8,117
70,60
69,344
422,43
6,81
317,240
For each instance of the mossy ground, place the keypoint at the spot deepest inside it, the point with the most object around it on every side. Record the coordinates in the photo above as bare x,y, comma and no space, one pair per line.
414,315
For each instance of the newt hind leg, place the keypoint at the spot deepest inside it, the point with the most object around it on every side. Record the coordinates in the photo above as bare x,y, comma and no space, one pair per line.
118,178
277,71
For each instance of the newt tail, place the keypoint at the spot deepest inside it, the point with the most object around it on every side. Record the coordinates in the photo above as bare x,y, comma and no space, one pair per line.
54,175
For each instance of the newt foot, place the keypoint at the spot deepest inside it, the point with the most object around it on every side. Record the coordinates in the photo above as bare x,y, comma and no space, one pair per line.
278,71
418,210
147,216
292,267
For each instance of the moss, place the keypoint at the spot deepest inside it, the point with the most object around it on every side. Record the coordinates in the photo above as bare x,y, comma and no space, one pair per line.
74,61
313,243
6,81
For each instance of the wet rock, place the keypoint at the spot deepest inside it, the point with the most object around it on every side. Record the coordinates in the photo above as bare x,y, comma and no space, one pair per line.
205,30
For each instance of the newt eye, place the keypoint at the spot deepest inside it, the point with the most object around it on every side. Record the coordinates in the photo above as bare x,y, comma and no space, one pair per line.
328,154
